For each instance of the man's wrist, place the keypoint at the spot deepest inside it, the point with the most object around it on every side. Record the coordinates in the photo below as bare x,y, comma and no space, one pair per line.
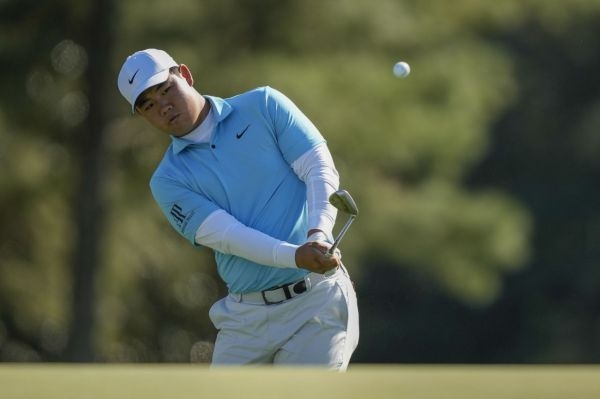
318,235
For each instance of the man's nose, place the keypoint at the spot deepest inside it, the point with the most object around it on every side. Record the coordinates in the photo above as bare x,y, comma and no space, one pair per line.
165,107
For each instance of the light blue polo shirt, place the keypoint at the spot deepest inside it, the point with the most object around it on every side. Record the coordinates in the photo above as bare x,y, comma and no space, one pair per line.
244,170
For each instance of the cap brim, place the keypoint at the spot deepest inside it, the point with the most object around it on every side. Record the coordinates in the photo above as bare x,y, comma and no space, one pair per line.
153,80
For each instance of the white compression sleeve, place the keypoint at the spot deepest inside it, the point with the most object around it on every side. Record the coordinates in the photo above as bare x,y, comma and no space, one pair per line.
224,233
317,170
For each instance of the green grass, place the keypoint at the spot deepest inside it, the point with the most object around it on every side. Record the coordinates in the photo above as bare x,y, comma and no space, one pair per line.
361,381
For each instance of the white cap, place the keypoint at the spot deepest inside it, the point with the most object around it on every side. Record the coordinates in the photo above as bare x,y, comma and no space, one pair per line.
141,70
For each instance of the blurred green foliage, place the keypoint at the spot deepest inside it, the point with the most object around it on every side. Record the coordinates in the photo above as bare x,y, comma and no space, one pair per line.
455,169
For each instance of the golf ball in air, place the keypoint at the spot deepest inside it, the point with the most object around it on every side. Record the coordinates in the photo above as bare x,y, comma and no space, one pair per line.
401,69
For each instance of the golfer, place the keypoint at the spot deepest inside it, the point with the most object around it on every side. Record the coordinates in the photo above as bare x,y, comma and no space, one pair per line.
250,176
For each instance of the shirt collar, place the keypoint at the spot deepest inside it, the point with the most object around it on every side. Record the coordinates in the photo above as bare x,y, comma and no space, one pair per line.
221,109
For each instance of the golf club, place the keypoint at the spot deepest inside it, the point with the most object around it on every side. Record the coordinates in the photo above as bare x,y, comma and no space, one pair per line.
344,202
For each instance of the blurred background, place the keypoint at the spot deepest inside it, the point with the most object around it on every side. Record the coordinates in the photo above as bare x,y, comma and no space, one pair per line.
476,177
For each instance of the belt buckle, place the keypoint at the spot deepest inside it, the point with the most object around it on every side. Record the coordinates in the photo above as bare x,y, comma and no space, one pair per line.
299,287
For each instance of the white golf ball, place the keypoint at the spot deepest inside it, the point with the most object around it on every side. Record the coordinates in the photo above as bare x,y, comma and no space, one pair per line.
401,69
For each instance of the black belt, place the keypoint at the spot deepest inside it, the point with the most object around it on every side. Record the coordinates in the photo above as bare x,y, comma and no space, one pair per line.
274,295
282,293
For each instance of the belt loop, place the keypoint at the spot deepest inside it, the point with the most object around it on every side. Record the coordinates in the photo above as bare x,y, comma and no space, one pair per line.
236,297
308,282
286,291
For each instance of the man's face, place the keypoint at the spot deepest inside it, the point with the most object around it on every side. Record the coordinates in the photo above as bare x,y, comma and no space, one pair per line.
173,106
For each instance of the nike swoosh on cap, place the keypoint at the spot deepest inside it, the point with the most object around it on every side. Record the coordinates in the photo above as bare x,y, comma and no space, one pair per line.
133,77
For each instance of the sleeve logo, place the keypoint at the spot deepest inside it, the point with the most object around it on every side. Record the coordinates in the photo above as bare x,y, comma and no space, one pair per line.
177,214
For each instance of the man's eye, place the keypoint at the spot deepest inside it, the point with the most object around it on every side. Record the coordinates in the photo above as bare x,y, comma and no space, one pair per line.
166,89
148,106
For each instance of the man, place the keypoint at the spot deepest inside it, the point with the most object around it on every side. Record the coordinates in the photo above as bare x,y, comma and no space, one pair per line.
250,176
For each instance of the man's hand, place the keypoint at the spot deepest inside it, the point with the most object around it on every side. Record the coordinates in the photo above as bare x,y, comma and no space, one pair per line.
312,256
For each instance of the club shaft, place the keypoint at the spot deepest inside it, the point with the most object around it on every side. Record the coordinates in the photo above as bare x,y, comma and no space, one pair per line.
341,234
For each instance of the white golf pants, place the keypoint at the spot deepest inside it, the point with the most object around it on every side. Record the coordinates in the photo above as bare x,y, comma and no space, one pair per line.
316,328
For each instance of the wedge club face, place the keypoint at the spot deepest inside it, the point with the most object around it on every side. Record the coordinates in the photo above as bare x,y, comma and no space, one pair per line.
343,201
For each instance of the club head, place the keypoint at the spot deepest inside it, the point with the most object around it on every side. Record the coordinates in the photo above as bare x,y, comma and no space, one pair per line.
344,202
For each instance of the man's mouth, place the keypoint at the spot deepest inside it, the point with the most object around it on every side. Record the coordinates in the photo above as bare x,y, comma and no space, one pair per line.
173,118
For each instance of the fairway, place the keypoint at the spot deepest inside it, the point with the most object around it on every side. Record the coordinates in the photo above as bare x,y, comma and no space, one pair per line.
361,381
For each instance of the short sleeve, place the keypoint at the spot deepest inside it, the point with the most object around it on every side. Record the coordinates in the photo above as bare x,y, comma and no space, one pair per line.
295,133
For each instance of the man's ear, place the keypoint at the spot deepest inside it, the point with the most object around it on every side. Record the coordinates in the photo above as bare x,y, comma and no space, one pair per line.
186,74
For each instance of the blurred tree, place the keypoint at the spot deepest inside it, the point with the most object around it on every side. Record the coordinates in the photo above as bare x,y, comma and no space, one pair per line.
66,92
97,35
41,104
546,153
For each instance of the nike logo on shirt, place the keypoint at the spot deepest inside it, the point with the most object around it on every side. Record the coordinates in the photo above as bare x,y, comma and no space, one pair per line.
240,134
